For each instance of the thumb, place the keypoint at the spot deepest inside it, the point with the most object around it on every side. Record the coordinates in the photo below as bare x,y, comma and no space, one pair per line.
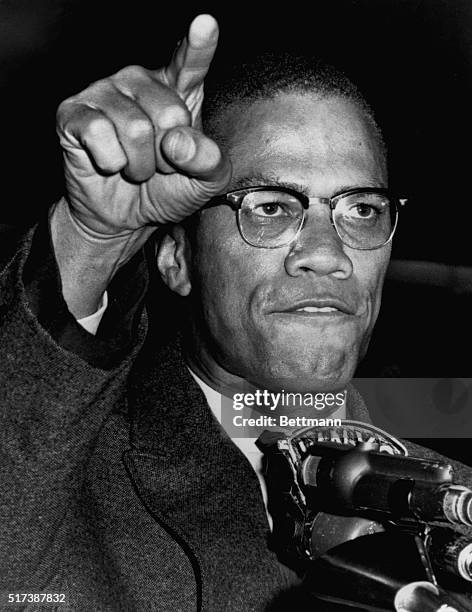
192,153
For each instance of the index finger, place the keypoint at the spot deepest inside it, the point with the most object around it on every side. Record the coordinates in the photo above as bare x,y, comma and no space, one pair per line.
192,58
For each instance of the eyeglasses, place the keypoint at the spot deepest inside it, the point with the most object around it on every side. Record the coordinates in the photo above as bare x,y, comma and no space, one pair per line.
271,217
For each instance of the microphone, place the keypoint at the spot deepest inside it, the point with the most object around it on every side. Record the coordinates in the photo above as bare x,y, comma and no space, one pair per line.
395,487
383,572
451,552
420,597
368,528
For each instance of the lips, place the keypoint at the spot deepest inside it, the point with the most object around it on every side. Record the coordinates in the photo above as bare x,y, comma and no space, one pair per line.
319,305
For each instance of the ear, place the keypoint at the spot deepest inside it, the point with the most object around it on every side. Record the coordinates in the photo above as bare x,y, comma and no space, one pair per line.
173,260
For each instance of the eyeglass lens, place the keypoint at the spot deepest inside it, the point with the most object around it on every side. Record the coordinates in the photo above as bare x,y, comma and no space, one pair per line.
364,220
270,218
273,218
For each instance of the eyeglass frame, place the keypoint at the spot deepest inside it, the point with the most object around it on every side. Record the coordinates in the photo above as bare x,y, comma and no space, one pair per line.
235,198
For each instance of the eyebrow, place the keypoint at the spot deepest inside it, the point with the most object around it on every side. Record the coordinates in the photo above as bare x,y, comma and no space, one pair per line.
268,180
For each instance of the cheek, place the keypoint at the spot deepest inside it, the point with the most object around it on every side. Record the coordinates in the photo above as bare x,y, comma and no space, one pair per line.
234,279
370,272
225,275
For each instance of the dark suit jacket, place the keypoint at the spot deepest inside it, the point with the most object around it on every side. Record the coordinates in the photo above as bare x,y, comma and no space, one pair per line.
139,503
120,496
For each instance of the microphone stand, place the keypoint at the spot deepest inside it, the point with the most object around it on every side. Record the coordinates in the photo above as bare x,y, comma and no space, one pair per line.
383,572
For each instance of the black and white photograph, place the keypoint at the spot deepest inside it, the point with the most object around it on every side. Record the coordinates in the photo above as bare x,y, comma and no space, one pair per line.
236,306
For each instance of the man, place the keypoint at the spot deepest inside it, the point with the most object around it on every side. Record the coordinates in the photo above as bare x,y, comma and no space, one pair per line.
137,499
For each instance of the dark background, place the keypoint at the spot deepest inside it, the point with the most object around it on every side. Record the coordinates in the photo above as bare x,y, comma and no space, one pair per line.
412,59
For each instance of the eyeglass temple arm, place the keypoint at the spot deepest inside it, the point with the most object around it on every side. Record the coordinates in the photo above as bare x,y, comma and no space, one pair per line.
228,199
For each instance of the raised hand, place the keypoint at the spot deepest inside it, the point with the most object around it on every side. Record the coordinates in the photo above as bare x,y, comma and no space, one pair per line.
134,158
134,151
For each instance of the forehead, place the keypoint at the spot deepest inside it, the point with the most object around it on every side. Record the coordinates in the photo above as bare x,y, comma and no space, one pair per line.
319,143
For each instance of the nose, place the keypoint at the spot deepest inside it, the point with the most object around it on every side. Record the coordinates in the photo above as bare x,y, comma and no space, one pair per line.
318,249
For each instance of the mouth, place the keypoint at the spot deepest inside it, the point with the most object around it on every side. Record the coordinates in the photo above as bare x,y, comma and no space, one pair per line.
315,310
328,306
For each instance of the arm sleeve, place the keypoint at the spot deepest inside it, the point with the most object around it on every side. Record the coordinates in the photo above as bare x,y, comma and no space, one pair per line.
58,384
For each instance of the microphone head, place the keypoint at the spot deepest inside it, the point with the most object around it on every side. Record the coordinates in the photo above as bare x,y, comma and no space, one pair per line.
464,562
457,505
420,596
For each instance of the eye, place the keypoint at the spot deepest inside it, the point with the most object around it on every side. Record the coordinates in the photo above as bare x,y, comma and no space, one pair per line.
364,211
364,207
265,205
272,209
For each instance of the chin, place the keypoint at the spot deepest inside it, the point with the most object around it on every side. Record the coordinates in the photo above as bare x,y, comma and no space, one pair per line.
327,371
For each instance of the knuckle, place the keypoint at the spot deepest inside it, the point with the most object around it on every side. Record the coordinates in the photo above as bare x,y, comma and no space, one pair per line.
174,115
182,114
94,90
64,109
96,127
132,72
139,129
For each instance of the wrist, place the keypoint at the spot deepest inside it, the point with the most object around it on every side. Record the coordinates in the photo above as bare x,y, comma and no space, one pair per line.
112,249
87,260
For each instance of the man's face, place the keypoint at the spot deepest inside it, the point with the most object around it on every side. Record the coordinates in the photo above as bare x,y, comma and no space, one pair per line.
249,298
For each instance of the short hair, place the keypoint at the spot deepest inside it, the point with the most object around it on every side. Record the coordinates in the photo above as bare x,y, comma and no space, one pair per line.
268,74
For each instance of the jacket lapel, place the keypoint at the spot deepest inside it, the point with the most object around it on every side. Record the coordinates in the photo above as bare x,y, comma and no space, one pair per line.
198,485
